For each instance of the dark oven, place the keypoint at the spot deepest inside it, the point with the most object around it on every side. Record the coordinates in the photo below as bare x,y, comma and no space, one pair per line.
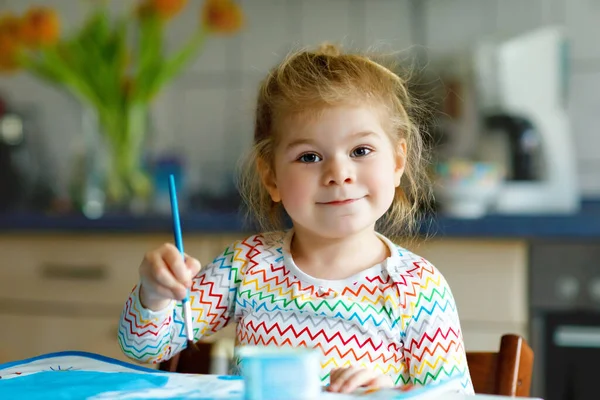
564,299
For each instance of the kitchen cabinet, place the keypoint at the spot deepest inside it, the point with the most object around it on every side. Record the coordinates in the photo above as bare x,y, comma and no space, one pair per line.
488,279
66,291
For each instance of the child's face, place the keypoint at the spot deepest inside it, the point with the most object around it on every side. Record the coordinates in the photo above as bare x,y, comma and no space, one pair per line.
336,173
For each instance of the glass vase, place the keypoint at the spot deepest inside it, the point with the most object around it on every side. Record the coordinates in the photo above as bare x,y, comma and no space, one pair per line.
109,172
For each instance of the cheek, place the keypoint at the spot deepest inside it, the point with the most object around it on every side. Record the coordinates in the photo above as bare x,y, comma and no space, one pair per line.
381,178
294,186
383,167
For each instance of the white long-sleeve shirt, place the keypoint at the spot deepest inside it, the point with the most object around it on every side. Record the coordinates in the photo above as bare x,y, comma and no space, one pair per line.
398,317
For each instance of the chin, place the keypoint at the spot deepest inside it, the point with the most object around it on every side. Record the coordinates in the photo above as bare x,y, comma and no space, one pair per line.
343,229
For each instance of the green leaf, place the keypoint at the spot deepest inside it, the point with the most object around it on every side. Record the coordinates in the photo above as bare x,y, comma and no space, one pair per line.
96,27
177,62
118,60
52,63
98,55
30,62
150,55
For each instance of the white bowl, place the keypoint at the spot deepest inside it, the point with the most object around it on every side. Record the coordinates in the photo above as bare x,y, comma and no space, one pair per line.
467,201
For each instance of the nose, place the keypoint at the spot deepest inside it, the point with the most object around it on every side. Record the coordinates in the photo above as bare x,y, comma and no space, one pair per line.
338,172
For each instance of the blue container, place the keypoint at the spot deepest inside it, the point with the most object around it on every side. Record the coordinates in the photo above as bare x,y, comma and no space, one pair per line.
273,373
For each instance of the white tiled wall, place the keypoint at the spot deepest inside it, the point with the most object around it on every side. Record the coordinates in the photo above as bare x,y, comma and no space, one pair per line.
452,26
269,34
581,18
206,114
387,25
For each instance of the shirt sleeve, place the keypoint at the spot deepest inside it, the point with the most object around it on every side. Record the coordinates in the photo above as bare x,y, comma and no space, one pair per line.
154,336
434,350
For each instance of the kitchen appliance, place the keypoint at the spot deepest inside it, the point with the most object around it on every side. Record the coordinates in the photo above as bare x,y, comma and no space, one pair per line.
514,144
24,179
521,85
564,309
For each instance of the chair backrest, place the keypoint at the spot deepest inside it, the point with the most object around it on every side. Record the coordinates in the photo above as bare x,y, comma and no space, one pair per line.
204,357
190,361
507,372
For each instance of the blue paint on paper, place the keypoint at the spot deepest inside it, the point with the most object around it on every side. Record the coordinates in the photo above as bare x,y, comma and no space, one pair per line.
76,384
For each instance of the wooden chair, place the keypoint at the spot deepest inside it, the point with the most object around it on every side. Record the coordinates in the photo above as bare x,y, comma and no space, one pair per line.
205,358
507,372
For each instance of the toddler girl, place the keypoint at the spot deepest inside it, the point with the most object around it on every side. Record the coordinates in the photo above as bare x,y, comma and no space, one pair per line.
335,151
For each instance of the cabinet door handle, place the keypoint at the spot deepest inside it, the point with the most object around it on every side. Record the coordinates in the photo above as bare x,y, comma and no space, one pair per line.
577,336
95,272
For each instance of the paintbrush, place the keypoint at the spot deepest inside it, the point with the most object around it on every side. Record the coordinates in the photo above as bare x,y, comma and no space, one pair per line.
187,310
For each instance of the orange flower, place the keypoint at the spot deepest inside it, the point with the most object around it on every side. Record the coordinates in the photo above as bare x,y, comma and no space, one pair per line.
10,41
222,16
10,25
165,9
8,54
41,27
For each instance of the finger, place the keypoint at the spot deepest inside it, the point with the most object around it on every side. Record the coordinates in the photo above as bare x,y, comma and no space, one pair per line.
193,265
155,289
360,378
340,377
162,276
379,382
164,292
333,375
174,260
382,381
355,379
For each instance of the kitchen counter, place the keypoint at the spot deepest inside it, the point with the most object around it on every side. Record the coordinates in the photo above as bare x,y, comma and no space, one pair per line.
584,225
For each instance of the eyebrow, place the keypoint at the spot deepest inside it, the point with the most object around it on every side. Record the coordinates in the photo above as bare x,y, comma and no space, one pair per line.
357,135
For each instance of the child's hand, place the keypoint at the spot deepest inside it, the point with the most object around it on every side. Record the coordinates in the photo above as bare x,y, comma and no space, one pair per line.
346,380
164,276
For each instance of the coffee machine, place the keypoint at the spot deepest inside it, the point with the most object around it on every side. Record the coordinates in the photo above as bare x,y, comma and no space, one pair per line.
521,85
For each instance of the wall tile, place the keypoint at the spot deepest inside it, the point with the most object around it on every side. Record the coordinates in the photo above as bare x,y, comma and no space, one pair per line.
454,25
200,134
515,17
267,36
329,21
388,25
584,104
582,18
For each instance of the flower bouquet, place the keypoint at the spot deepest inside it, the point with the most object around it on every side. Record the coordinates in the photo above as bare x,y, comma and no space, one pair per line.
115,67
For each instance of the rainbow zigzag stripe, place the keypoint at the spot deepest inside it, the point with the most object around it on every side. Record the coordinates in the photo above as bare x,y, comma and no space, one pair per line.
398,318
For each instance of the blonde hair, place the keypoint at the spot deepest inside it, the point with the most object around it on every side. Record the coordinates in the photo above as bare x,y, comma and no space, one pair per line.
308,81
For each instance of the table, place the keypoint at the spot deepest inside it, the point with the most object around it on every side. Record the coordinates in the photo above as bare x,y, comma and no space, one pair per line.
81,375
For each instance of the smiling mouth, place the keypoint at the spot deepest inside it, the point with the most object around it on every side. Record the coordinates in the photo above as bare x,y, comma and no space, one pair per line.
339,202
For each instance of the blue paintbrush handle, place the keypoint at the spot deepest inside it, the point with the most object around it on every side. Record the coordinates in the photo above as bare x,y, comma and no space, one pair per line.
175,217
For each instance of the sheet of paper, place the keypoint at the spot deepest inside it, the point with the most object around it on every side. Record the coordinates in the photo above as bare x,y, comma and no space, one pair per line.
79,375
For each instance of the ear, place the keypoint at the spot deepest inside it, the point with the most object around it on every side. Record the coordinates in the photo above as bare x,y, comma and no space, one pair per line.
400,159
267,176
